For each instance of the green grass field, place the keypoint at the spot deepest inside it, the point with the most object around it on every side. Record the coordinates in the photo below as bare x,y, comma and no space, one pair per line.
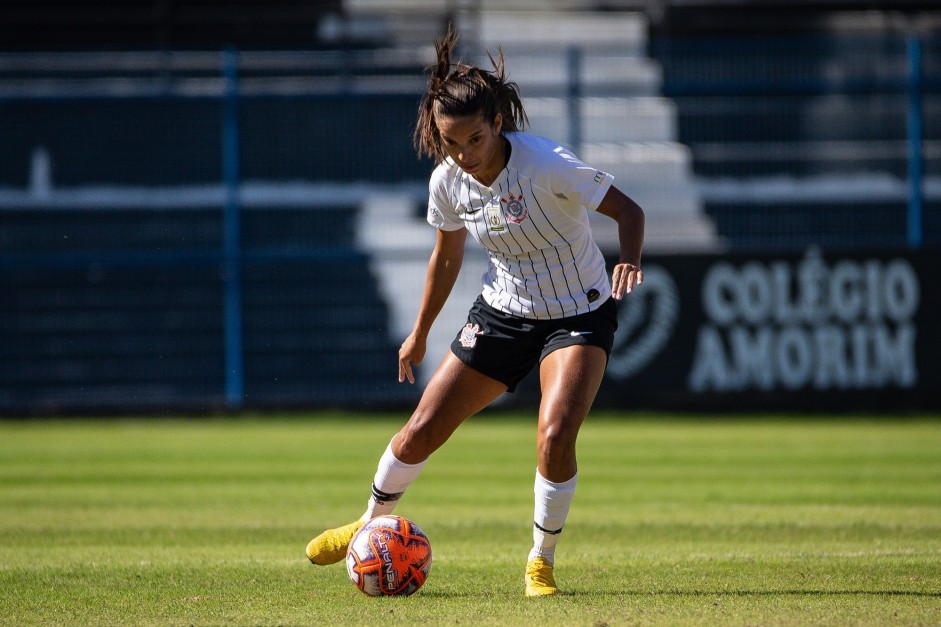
677,520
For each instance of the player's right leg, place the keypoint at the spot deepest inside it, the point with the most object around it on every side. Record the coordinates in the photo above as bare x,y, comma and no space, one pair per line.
454,393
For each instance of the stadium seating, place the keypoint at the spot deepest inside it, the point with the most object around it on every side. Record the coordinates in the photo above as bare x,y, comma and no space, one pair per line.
112,265
790,135
120,307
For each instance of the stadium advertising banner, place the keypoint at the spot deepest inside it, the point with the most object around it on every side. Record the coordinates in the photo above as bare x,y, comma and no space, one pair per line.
815,330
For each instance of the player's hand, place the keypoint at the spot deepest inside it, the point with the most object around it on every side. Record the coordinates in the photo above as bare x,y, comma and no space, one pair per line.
411,353
624,278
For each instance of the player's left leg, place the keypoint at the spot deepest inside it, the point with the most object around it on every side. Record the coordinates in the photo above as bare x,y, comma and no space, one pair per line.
569,378
455,392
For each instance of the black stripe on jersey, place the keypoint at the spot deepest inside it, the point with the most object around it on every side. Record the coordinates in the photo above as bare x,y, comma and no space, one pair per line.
572,294
484,233
478,223
555,291
522,231
494,248
533,247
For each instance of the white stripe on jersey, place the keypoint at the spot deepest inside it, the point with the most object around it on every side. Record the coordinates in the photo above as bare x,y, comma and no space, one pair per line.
533,221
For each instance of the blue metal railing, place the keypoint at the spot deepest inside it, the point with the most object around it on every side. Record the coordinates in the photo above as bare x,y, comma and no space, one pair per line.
915,143
759,74
232,235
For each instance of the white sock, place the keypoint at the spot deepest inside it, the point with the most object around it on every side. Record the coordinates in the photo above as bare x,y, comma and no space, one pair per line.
553,501
391,480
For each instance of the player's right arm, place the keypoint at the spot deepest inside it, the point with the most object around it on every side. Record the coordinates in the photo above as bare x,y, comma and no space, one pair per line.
443,268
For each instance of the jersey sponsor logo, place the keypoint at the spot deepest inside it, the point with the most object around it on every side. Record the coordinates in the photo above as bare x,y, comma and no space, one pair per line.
469,335
515,210
494,216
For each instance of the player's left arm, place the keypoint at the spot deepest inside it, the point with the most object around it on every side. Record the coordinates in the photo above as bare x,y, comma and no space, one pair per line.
630,219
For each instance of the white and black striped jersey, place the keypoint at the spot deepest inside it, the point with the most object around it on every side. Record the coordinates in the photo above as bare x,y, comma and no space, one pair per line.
533,220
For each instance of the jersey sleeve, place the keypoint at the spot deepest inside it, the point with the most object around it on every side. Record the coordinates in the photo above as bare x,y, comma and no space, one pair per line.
576,181
441,211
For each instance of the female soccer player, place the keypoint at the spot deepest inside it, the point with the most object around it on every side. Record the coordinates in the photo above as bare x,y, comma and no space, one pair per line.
546,297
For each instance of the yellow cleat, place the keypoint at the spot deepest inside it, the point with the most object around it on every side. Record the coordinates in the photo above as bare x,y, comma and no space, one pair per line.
330,546
539,579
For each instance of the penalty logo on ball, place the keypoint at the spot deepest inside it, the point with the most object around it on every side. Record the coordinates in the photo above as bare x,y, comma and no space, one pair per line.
389,556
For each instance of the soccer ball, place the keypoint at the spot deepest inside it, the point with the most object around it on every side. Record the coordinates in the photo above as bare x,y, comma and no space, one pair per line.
389,556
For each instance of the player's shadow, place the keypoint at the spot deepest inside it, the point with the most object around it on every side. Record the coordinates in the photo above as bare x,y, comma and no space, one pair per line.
453,594
759,593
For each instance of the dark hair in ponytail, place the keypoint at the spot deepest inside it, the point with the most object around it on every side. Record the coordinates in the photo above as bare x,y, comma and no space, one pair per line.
458,89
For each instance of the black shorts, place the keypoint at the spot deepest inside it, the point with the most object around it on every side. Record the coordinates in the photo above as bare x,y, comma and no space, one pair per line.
506,347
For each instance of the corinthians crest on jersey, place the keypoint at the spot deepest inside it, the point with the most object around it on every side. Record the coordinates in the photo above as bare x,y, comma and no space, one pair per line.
514,208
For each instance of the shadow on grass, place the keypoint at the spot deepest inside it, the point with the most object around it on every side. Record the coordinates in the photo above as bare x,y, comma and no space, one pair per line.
761,593
452,594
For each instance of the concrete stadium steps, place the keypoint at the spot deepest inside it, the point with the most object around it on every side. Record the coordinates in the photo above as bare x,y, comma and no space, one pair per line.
416,22
400,241
538,45
641,164
602,72
677,225
624,126
639,119
516,30
658,176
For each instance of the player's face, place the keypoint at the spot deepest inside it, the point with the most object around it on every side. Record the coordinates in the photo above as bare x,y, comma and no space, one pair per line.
474,144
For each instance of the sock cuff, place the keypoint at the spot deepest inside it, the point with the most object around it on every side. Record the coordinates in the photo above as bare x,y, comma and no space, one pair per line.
388,454
565,486
393,476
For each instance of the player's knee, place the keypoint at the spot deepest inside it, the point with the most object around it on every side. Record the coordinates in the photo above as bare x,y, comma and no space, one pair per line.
558,435
556,444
